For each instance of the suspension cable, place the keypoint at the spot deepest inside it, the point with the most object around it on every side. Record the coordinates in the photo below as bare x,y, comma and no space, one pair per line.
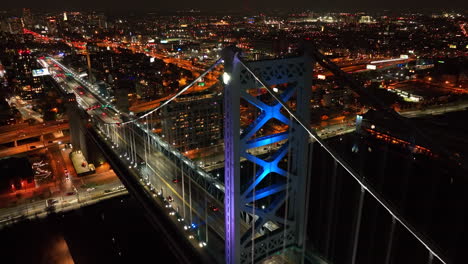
218,61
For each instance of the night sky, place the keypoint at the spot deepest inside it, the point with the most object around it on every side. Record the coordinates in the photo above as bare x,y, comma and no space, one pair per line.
120,6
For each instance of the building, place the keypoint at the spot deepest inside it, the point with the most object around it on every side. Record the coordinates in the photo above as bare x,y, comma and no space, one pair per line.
123,93
27,17
193,121
15,25
29,86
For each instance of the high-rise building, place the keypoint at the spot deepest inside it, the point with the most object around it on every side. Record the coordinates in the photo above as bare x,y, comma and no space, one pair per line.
29,86
193,121
52,26
27,18
15,26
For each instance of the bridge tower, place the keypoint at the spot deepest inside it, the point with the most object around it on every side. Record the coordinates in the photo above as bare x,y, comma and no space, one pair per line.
271,203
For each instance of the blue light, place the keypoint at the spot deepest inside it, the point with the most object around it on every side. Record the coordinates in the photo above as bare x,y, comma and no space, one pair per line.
194,226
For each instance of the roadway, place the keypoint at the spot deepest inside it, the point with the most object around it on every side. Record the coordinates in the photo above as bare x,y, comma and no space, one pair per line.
25,109
362,67
65,203
436,110
33,131
86,94
32,146
163,172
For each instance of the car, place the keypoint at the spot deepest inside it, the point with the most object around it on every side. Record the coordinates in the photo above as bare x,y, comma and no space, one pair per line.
213,208
107,191
175,180
32,147
169,199
90,189
70,193
51,202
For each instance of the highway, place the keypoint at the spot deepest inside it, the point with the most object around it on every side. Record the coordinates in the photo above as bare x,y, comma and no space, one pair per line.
86,93
24,109
436,110
362,67
32,146
33,131
63,204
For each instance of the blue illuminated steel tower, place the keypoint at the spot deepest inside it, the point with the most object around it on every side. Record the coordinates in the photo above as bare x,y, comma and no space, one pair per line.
264,216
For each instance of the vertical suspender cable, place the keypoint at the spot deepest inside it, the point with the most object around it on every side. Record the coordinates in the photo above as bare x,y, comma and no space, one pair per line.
288,177
307,193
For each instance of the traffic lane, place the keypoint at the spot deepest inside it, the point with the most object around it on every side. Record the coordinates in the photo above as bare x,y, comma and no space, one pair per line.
165,170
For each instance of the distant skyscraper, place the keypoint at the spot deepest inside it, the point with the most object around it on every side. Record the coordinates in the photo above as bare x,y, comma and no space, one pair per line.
52,26
65,18
27,17
15,25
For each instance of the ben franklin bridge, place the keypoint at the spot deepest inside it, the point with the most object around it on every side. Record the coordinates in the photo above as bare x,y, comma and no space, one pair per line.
285,196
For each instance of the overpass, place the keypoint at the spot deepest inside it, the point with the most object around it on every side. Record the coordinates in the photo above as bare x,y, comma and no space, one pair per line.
22,138
260,213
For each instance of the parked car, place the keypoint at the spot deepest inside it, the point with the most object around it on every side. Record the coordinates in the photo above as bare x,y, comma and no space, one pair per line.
51,202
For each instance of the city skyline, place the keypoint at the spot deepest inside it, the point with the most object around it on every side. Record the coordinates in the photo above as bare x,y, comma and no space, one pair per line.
249,6
234,137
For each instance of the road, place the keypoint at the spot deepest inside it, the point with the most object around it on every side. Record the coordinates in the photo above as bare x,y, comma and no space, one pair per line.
65,203
162,172
32,146
25,110
33,131
362,67
86,94
436,110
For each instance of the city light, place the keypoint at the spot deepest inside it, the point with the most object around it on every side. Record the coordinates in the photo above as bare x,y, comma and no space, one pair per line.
147,93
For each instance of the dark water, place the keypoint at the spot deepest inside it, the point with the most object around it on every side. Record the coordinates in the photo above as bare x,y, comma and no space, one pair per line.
113,231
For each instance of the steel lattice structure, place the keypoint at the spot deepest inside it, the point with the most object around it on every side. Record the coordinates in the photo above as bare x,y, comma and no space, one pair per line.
295,74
